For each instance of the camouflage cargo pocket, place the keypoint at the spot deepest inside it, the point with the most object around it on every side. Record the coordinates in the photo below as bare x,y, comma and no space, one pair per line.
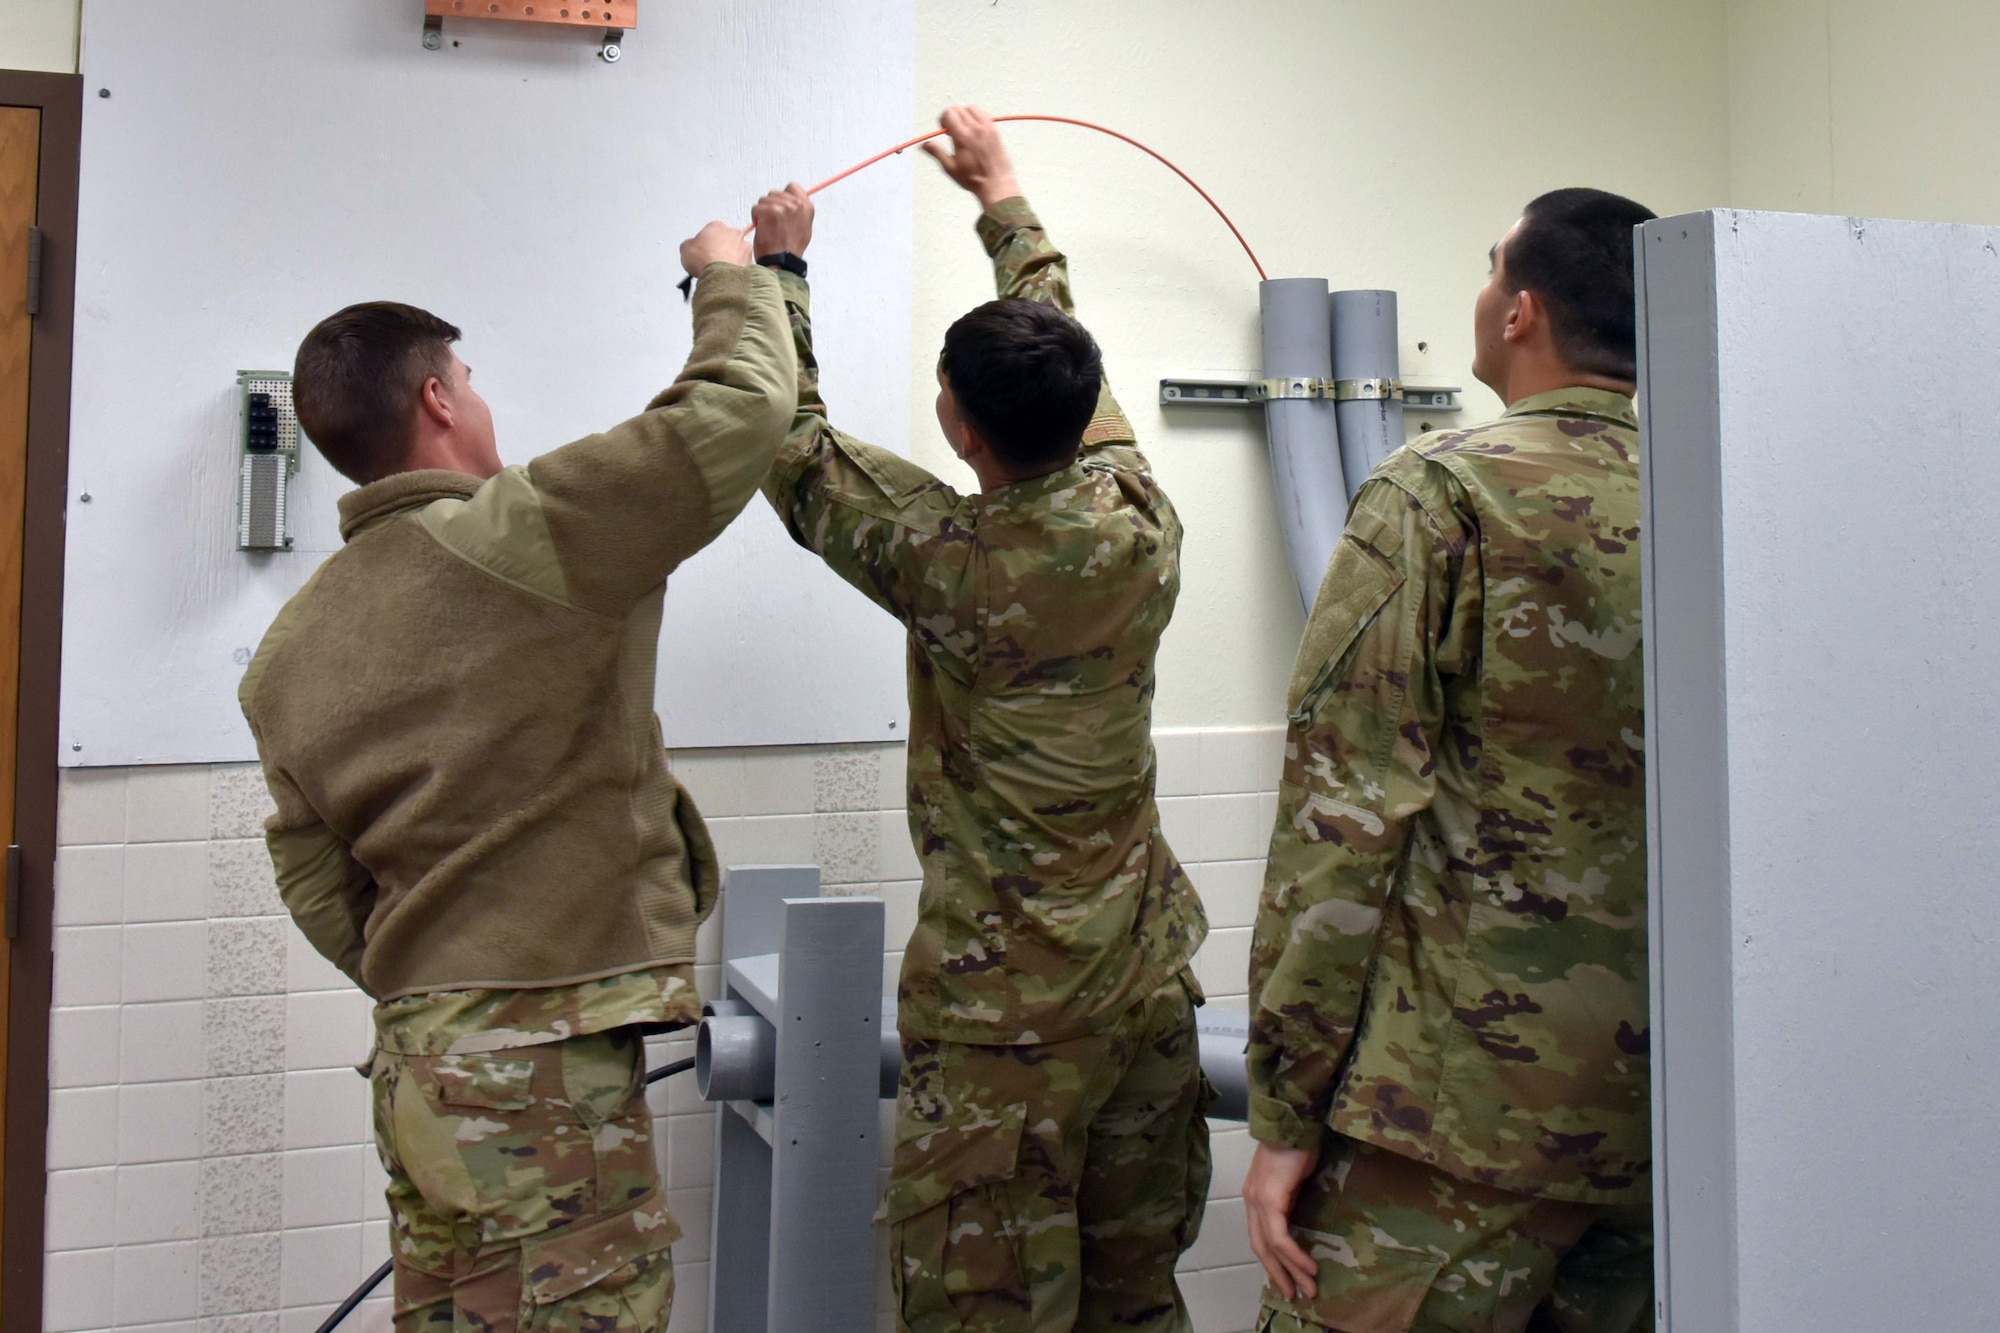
483,1082
954,1256
611,1272
1367,1284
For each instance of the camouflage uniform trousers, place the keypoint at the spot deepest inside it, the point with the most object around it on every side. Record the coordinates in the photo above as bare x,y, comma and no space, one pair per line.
1405,1248
523,1190
1050,1187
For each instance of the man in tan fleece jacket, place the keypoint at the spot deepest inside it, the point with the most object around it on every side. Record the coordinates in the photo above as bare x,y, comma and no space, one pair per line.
475,819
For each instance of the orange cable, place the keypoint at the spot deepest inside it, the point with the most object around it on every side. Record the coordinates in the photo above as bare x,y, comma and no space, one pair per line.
1057,120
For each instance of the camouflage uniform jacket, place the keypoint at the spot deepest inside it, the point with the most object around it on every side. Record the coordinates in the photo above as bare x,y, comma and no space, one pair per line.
1050,902
1450,954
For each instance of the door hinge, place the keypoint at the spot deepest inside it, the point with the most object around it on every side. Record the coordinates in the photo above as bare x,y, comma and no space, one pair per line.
14,891
34,271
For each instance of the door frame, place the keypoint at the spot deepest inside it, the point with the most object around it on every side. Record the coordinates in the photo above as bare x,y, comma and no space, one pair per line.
59,97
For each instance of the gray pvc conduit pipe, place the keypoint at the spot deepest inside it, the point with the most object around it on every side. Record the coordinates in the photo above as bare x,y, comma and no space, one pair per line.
736,1055
1303,432
1365,348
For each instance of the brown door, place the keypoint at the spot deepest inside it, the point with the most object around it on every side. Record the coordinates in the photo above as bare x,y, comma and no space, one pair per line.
20,142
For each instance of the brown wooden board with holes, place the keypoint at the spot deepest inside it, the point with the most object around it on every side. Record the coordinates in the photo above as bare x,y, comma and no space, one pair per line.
576,13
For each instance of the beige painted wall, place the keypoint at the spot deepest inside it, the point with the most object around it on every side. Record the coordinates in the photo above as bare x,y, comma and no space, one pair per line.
39,34
1376,144
1870,107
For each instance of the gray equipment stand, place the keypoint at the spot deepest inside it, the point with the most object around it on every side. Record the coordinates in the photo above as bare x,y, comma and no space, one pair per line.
795,1176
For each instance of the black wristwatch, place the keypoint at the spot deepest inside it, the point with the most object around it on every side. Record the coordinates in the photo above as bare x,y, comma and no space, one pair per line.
785,260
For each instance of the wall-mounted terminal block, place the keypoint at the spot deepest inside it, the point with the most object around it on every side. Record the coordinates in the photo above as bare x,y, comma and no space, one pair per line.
269,442
613,16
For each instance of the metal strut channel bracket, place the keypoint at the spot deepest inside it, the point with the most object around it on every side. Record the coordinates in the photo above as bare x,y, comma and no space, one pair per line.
1248,392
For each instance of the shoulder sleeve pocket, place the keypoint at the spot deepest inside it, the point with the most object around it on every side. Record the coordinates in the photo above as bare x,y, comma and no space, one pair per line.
558,1264
1359,582
931,1168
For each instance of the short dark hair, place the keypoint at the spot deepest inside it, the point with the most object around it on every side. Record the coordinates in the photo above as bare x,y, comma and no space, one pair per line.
1026,376
356,379
1574,250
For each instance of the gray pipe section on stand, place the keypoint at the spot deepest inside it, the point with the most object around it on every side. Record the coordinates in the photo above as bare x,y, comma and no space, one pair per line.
1365,347
1303,432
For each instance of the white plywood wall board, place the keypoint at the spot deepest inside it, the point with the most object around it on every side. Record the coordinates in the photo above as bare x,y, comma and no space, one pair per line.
1822,454
254,169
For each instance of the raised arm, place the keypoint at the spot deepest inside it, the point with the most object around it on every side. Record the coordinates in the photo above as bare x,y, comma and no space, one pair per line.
1026,264
624,508
879,521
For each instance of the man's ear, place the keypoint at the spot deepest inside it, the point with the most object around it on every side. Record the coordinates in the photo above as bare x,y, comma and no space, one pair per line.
1526,318
434,401
971,443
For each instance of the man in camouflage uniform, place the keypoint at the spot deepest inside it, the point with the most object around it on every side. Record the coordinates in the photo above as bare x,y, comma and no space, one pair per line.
475,820
1052,1157
1448,1053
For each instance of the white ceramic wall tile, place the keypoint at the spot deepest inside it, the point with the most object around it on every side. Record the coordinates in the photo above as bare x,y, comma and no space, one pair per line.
89,965
693,1209
159,1201
690,1298
167,803
240,880
778,781
1223,965
166,881
90,886
322,1186
83,1127
244,1036
305,968
238,801
83,1047
243,1115
325,1107
90,806
847,848
249,955
1177,763
240,1274
1223,1300
899,852
77,1290
1180,825
321,1264
691,1151
160,1043
245,1194
160,1122
1231,1148
157,1282
713,777
82,1208
1234,828
167,961
327,1030
1224,1239
846,777
1231,761
1229,891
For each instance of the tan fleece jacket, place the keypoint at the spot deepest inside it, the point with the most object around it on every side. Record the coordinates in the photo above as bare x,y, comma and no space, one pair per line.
455,713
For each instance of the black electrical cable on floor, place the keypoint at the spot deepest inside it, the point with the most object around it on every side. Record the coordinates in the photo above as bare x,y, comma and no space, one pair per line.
374,1280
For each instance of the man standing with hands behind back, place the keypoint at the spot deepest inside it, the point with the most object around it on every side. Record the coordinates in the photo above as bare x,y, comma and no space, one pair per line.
1051,1157
1448,1005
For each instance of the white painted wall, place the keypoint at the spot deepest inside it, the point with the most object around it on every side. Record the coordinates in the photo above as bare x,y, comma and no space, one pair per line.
1820,618
1379,145
39,35
1866,107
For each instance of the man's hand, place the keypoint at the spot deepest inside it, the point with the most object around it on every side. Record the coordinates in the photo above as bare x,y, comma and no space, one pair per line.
1269,1191
784,221
978,159
717,243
